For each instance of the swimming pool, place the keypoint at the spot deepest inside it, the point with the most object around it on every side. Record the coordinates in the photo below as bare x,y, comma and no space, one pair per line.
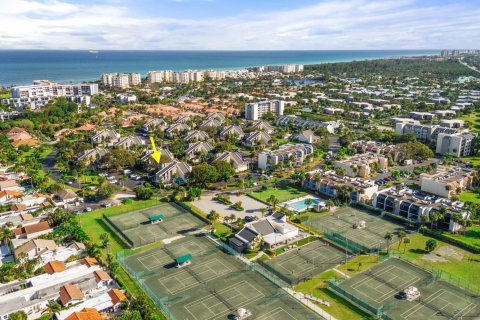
300,205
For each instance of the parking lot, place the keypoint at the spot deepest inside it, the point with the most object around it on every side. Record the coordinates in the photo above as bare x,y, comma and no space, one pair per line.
252,207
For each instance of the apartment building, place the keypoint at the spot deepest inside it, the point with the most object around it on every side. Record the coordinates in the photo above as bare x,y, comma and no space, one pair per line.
415,206
423,132
289,152
160,76
446,180
360,165
458,144
327,183
49,89
121,80
254,111
286,68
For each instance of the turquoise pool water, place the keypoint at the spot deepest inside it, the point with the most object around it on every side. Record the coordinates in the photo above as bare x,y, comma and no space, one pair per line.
301,205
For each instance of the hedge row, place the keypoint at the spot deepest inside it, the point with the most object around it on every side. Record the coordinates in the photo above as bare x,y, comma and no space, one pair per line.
457,242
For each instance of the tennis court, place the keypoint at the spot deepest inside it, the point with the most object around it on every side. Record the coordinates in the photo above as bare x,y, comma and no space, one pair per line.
136,228
305,262
340,227
213,286
379,287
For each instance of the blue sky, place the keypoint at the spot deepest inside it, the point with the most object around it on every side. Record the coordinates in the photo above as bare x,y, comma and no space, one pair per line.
239,24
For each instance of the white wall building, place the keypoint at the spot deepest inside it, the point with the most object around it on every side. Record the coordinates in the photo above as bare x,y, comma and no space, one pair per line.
254,111
45,88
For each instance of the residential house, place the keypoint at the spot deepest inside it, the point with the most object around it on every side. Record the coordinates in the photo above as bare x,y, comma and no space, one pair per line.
232,131
106,137
307,136
257,138
102,278
85,314
70,294
173,172
176,129
54,266
196,135
154,124
217,116
35,248
272,230
262,126
11,185
235,158
214,123
194,150
32,231
128,142
91,156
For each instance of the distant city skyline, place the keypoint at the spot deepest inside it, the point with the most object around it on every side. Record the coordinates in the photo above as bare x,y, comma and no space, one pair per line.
239,25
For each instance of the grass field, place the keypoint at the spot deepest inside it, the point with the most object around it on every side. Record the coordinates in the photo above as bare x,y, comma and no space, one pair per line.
472,120
471,236
466,196
282,193
339,307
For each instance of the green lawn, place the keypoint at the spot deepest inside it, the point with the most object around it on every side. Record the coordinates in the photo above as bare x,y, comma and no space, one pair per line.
472,120
467,196
465,266
471,236
339,307
475,160
282,193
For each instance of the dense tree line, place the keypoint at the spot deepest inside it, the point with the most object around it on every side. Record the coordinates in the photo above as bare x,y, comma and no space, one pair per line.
448,69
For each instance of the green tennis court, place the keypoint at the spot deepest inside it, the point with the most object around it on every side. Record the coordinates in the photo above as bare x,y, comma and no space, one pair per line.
305,262
378,289
340,226
137,228
213,286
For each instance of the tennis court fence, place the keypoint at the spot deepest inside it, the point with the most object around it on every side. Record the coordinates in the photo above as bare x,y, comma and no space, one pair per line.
119,232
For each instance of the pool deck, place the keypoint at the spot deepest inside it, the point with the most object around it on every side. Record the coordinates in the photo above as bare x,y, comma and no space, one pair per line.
289,202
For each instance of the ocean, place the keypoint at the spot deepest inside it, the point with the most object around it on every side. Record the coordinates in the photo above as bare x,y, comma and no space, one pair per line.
20,67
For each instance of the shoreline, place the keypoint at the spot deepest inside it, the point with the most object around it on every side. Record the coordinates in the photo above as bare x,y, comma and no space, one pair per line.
55,76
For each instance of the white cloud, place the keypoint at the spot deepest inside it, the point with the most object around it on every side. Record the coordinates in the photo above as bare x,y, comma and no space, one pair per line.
330,24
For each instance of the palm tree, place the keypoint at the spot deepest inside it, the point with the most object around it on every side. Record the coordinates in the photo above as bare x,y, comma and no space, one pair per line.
263,211
436,216
388,236
330,204
401,235
405,242
273,201
52,308
213,217
123,178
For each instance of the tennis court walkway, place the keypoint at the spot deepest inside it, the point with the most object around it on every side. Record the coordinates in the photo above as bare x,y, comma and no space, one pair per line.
299,297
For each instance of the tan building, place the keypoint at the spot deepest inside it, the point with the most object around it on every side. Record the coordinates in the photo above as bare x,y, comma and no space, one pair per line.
446,181
360,165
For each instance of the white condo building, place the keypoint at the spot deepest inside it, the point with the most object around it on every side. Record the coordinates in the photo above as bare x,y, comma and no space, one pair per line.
121,80
45,88
254,111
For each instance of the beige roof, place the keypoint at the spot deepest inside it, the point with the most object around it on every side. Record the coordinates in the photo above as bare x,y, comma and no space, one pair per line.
36,243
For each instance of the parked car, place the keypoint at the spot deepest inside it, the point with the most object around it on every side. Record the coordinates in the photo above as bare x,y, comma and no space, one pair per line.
88,209
106,205
248,219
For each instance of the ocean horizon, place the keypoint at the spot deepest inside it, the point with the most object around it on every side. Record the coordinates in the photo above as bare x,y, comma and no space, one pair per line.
21,67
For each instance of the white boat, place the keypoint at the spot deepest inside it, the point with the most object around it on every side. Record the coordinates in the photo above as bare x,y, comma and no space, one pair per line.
93,51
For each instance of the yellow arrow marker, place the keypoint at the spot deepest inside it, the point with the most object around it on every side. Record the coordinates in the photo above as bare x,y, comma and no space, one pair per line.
155,155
